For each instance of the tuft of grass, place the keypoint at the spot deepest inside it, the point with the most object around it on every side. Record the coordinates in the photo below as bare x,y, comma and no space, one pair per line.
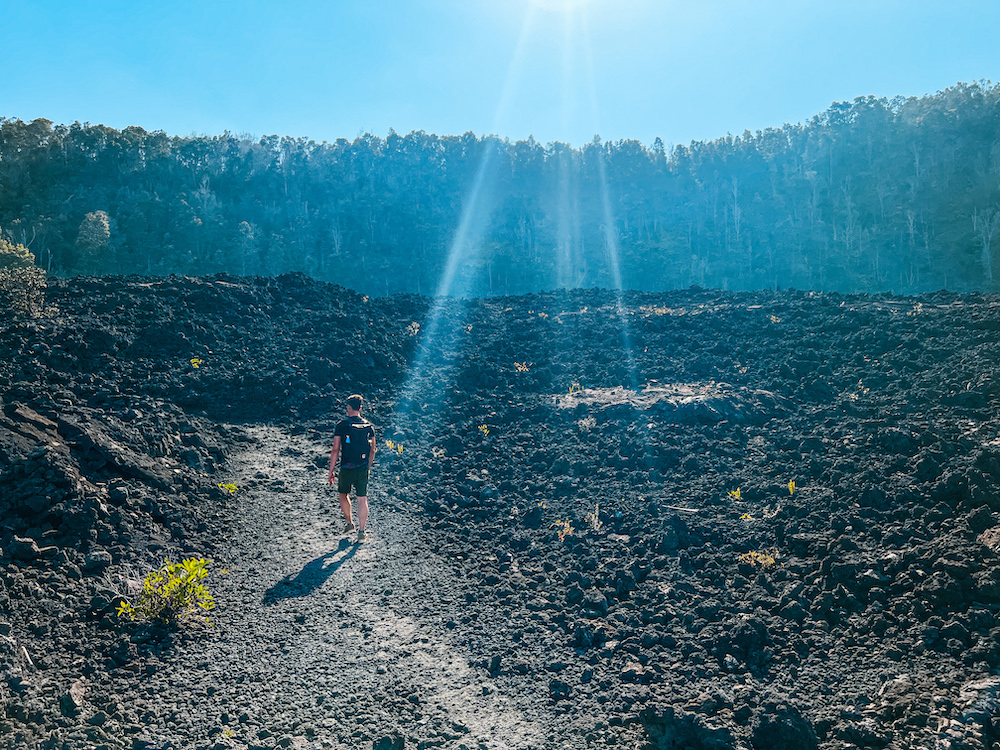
563,529
654,310
229,487
764,558
593,519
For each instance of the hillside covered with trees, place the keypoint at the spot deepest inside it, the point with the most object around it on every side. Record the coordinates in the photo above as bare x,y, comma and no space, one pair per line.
871,195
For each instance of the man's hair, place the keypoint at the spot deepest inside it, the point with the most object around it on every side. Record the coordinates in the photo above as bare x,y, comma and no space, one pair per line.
355,401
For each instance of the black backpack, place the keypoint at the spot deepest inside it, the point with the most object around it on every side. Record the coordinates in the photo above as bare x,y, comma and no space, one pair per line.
354,446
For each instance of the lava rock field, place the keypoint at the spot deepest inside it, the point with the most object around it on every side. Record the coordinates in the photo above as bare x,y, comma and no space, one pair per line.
695,519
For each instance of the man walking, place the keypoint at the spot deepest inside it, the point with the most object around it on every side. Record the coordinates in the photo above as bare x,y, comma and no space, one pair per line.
354,445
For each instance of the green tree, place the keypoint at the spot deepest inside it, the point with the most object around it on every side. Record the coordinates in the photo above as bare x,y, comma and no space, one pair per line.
92,242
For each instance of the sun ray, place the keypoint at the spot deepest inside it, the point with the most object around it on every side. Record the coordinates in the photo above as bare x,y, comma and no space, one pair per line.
610,227
568,221
440,344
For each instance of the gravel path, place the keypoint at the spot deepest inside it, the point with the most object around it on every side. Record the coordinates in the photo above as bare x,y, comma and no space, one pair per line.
321,642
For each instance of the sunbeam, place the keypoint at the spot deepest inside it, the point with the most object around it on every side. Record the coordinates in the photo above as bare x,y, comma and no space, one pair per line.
568,272
610,229
465,251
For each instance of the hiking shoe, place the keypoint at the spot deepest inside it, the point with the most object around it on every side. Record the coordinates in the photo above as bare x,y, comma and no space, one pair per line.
361,536
349,528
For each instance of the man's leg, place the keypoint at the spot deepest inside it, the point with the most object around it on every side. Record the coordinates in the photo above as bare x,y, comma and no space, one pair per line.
362,512
345,506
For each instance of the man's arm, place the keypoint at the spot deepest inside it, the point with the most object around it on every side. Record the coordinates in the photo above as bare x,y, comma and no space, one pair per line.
334,455
371,451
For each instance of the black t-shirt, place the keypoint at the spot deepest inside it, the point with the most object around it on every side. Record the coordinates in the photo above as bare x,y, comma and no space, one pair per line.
356,434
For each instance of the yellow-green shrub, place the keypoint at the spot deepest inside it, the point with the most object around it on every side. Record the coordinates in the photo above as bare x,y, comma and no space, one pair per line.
172,594
22,283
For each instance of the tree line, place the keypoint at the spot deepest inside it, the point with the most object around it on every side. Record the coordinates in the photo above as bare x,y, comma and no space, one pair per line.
871,195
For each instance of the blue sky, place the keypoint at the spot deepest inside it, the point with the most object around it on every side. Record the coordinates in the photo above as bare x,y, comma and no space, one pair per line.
555,69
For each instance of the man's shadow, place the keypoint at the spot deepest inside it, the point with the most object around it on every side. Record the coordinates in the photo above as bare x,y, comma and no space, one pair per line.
312,576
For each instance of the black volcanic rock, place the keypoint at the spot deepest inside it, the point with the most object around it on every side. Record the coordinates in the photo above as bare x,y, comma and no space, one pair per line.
579,539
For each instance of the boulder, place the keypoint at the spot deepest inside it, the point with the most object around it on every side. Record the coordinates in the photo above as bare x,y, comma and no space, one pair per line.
780,726
674,729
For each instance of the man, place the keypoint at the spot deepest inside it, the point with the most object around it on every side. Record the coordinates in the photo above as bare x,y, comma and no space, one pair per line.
354,445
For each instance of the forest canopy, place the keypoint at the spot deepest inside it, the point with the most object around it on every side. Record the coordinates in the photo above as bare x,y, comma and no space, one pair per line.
872,195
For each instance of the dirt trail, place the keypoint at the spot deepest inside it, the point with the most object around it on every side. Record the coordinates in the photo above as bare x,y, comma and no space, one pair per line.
320,642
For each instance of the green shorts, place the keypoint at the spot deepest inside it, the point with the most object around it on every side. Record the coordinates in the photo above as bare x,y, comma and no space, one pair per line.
356,478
